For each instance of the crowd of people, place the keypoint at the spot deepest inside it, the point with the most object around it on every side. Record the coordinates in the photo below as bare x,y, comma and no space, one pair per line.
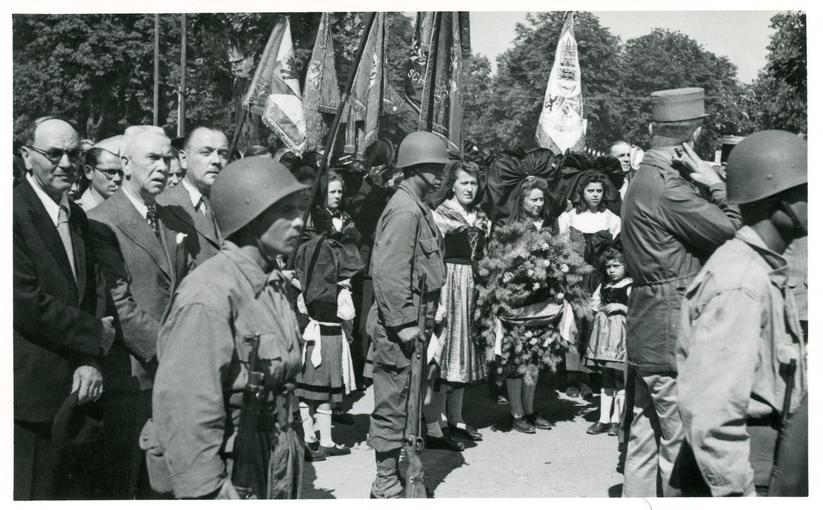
189,324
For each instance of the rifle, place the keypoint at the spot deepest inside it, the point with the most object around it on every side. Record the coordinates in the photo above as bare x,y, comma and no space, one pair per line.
414,441
249,472
777,472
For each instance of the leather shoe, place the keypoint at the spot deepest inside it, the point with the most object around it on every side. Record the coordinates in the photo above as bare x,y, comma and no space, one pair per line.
586,391
468,432
597,428
443,443
311,452
614,429
334,450
522,425
572,392
538,421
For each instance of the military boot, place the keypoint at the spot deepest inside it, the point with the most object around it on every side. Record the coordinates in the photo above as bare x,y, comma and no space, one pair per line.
387,484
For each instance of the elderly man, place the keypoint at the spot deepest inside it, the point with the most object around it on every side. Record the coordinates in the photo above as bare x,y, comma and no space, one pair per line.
205,153
57,336
674,216
144,252
103,172
623,152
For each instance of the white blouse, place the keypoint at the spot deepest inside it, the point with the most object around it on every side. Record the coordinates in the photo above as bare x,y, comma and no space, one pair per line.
589,222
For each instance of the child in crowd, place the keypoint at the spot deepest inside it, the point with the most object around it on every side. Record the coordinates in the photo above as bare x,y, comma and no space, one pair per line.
606,350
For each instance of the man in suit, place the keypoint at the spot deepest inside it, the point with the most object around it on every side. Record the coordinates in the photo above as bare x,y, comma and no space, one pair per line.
205,153
144,252
57,337
103,172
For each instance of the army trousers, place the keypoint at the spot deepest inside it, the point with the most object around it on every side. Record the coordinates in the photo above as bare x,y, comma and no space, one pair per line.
655,436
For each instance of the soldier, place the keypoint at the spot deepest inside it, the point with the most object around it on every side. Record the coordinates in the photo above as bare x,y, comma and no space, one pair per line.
201,349
739,320
674,216
407,244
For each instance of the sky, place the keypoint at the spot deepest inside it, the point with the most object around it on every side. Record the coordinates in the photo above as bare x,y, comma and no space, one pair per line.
742,36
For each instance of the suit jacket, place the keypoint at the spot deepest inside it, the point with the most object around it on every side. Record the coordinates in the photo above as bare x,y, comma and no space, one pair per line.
55,326
178,202
141,274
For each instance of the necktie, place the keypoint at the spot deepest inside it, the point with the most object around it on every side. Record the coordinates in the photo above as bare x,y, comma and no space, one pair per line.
204,209
151,218
65,236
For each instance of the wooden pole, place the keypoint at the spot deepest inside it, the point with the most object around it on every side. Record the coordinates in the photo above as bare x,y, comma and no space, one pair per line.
156,104
181,96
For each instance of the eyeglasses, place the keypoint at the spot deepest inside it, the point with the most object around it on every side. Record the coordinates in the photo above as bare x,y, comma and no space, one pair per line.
55,155
110,173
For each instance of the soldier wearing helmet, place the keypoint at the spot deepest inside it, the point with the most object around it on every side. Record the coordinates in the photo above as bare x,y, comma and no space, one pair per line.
201,349
740,333
407,244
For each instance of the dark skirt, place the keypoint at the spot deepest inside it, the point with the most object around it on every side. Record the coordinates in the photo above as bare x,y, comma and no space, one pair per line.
323,383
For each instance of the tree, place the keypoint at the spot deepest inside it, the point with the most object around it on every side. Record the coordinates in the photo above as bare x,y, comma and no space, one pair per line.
666,59
477,102
523,72
779,94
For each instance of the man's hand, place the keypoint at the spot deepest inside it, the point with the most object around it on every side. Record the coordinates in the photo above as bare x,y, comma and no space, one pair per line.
88,383
107,339
701,172
408,334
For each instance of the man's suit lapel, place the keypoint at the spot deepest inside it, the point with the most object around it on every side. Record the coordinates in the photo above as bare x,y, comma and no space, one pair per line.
179,197
46,230
135,228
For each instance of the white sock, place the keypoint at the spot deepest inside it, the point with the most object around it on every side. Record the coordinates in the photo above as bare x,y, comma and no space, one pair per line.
619,401
308,423
434,430
323,418
605,406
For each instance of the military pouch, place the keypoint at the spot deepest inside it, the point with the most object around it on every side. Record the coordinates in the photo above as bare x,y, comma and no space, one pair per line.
156,464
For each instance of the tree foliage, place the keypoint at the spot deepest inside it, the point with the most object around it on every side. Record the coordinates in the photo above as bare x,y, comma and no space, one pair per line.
779,94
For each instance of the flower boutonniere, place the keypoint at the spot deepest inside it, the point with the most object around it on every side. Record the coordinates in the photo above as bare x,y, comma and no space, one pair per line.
181,237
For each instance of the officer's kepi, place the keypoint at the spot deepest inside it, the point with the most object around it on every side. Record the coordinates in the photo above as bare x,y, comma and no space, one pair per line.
675,105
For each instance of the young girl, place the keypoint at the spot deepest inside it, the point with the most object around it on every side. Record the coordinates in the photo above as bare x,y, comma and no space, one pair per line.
607,344
590,221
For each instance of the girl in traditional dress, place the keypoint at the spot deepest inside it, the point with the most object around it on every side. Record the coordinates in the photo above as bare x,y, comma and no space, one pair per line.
606,350
588,223
325,263
458,358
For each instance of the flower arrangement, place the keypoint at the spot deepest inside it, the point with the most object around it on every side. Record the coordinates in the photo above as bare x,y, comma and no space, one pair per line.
522,266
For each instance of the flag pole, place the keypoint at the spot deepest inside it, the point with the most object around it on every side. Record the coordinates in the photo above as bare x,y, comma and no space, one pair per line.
156,97
181,98
336,123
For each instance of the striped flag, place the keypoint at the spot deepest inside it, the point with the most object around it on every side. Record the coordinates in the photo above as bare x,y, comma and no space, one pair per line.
274,93
435,73
561,124
321,93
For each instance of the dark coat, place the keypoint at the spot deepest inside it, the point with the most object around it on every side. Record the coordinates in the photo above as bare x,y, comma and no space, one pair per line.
141,273
55,325
668,230
178,202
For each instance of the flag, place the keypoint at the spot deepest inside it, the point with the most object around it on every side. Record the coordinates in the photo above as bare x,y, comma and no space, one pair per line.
274,93
435,73
561,125
321,93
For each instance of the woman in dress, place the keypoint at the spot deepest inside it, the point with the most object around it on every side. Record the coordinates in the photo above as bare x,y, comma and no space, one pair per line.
589,223
457,358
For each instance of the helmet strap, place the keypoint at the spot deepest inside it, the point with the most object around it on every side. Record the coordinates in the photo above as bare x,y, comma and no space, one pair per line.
796,224
270,258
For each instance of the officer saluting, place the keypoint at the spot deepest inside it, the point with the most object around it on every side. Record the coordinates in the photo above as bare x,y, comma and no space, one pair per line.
203,345
407,245
741,357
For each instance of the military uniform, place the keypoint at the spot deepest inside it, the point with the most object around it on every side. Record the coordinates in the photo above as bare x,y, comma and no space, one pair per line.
668,230
407,244
738,320
199,384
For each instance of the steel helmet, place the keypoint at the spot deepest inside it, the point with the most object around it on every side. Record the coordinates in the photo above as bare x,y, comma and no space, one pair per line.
764,164
246,188
422,147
